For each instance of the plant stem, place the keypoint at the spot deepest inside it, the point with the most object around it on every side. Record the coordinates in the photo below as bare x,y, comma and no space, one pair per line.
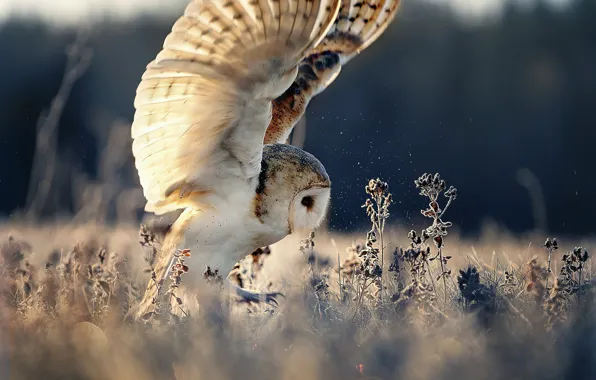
443,274
549,268
579,288
446,207
339,280
430,273
361,295
380,228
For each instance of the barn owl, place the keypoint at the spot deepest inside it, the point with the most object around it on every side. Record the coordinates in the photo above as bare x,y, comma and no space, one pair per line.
215,108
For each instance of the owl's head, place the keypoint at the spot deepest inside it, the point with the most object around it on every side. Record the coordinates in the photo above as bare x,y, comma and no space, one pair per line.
293,191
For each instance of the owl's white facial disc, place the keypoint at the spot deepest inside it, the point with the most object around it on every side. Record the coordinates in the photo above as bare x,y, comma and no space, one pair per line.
308,208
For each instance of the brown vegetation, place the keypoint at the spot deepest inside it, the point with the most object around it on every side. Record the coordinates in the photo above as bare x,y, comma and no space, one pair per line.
423,305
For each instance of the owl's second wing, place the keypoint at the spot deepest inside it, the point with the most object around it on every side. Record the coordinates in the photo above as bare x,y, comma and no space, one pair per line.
358,24
204,103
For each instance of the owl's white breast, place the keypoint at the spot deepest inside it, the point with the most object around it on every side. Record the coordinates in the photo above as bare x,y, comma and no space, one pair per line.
223,235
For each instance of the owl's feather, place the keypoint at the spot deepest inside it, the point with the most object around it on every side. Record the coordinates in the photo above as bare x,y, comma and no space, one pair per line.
163,264
358,24
204,104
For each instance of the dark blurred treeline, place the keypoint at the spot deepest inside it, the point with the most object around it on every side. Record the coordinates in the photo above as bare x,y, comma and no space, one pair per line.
491,107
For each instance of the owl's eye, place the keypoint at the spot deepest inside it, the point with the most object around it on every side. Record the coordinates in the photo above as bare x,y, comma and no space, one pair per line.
308,202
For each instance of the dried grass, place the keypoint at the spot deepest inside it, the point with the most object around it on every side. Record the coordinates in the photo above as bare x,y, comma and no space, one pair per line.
378,308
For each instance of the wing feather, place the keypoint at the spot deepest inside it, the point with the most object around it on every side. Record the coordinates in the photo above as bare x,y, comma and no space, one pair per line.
204,103
359,23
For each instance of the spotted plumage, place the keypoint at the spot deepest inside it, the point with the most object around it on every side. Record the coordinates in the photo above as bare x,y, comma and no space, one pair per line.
358,25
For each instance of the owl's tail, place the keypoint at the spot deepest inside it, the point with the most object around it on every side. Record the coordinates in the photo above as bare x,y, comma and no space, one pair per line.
173,238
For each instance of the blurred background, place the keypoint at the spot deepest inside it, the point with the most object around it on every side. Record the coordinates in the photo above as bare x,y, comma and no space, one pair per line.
498,96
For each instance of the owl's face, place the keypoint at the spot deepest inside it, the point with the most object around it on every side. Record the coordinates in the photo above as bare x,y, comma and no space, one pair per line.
308,208
294,190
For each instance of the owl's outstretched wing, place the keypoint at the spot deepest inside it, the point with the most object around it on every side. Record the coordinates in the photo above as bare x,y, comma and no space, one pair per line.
204,103
358,24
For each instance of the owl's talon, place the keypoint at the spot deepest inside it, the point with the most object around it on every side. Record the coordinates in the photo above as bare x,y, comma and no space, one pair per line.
253,297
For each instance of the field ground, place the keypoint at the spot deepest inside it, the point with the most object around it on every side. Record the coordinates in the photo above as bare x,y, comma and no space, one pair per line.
512,325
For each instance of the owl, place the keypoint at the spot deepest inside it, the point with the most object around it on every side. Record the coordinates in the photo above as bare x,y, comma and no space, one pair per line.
213,112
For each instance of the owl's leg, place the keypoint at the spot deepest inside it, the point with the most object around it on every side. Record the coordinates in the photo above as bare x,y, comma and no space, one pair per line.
253,297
